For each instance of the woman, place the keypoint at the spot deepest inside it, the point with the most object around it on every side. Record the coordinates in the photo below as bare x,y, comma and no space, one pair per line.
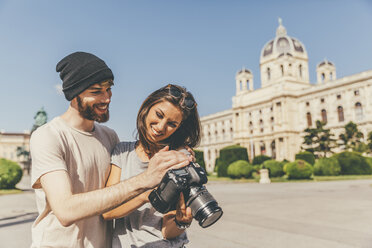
167,118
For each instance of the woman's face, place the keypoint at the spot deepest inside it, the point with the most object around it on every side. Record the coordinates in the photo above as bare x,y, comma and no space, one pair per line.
162,121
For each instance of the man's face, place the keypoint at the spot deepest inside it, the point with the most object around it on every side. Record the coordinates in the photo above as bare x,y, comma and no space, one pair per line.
93,103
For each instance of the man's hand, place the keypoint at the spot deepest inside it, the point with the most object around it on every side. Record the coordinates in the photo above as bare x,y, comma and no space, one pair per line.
161,162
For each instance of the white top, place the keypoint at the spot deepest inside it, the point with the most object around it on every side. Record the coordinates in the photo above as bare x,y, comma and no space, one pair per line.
86,158
141,228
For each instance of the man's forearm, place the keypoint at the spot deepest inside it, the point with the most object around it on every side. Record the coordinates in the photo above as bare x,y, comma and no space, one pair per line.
70,208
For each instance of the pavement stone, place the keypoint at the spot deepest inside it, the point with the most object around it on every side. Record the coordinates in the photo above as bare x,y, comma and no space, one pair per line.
282,215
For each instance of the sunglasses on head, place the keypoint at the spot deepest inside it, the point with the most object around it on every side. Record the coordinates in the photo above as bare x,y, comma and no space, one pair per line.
188,102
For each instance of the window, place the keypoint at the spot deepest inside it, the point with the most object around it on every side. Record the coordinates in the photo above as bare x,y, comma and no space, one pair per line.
324,115
358,111
268,73
261,126
300,70
240,85
330,76
278,104
247,84
356,92
282,69
308,118
340,112
323,77
338,97
307,104
322,100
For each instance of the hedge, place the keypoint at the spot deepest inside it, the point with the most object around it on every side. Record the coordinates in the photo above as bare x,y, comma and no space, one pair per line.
307,156
228,155
260,159
353,163
10,174
199,157
327,167
239,169
299,169
275,168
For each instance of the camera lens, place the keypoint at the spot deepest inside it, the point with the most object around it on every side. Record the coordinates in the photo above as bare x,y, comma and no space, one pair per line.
203,206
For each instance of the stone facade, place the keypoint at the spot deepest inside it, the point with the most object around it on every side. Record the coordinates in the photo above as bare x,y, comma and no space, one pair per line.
270,120
8,147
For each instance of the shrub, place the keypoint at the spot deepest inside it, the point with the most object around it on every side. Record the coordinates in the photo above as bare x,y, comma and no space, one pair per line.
352,163
369,161
275,168
260,159
240,168
299,169
199,157
307,156
327,167
228,155
10,174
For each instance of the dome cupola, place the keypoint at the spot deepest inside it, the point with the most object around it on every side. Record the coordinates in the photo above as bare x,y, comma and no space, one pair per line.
283,56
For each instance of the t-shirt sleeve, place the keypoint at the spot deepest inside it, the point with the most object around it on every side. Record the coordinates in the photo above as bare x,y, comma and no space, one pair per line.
46,153
119,152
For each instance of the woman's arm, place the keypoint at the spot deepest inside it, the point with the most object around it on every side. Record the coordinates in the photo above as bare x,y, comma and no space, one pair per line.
182,214
129,206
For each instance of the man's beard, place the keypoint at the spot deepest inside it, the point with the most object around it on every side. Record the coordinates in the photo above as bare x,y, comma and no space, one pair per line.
88,112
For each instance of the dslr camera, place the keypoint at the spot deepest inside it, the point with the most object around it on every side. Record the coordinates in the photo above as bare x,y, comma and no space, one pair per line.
188,180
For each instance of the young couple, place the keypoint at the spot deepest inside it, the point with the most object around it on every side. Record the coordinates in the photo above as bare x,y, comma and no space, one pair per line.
76,188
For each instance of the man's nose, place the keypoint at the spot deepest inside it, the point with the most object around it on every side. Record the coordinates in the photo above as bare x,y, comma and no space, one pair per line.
106,97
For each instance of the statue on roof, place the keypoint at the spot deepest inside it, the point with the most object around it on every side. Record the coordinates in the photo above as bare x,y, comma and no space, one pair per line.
40,118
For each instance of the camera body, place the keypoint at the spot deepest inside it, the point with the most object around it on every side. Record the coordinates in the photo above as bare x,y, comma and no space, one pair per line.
188,180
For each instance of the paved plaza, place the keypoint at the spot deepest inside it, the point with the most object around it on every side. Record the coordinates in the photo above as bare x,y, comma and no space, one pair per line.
309,214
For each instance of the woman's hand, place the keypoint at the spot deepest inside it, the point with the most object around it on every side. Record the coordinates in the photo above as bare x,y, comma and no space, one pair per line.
183,213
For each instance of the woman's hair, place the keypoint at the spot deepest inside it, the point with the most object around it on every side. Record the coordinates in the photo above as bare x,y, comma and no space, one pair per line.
188,132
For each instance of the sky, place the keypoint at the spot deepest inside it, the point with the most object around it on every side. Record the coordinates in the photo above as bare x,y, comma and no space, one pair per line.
200,45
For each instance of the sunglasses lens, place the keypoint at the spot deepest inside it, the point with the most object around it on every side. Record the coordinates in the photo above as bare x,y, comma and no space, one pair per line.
175,92
189,103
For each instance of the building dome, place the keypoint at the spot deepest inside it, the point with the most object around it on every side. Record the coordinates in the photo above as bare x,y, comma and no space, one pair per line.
243,70
282,45
324,63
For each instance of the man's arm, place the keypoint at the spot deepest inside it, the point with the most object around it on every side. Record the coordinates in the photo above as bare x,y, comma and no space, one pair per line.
69,207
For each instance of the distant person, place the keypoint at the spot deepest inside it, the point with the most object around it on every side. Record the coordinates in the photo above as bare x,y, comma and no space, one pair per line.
168,117
71,161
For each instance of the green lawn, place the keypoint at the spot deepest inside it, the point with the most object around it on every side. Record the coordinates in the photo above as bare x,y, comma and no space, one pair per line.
284,179
9,191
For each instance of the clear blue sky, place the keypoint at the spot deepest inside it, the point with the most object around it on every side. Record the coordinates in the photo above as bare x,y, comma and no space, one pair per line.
147,44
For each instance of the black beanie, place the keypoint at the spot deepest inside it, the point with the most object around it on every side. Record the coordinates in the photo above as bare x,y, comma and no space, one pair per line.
80,70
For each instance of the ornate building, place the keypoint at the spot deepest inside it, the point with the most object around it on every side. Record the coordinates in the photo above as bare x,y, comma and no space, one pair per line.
270,120
10,142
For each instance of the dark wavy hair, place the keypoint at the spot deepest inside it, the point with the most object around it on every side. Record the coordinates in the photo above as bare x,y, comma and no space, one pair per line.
188,132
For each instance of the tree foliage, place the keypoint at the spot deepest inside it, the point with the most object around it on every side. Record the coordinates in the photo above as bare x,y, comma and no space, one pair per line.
352,138
319,140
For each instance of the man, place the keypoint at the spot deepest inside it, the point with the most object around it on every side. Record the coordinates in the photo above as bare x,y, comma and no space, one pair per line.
71,161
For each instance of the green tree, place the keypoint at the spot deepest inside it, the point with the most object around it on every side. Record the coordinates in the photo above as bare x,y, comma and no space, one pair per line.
319,140
369,140
351,139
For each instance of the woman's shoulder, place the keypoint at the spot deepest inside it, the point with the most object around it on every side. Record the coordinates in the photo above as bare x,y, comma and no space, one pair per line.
124,146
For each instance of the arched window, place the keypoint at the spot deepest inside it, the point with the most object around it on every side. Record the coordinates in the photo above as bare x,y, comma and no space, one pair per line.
323,77
358,111
247,84
268,74
240,85
262,148
324,115
330,76
300,70
308,118
273,150
261,126
340,112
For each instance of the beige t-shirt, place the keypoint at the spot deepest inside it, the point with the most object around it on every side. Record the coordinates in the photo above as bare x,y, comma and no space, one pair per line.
86,158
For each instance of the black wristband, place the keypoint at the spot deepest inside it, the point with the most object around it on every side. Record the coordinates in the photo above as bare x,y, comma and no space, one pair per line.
181,226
